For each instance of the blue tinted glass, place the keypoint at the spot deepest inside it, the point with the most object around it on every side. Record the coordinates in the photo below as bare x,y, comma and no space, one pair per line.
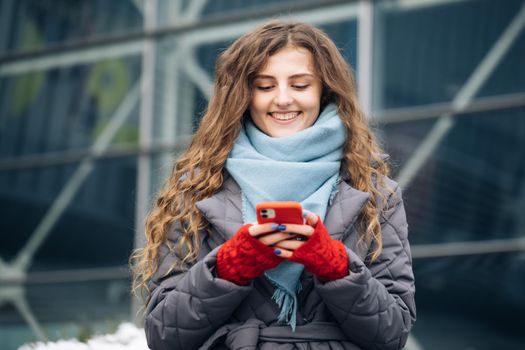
477,301
66,108
471,187
32,25
95,229
426,54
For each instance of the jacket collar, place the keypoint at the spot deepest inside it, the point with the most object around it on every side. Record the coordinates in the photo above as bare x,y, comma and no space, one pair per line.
223,210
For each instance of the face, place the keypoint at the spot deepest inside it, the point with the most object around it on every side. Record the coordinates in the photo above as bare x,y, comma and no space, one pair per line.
286,93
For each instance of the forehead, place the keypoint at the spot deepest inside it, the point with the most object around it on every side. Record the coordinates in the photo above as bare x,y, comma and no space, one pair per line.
289,61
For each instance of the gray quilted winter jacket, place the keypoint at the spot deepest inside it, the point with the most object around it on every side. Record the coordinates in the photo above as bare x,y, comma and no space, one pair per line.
371,308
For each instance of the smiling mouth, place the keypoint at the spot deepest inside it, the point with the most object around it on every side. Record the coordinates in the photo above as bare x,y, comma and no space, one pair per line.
284,116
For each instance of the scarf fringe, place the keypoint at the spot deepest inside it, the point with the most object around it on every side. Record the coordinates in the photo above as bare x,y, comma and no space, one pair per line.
287,304
334,191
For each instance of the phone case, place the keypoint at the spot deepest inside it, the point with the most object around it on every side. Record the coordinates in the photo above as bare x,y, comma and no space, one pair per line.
279,212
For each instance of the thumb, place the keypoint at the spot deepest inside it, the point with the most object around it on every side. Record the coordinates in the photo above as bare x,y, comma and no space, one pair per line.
311,218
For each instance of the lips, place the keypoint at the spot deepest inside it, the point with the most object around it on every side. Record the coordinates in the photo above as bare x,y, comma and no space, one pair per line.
284,116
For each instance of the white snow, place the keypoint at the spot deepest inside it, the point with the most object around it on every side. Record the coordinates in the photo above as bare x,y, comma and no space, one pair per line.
127,337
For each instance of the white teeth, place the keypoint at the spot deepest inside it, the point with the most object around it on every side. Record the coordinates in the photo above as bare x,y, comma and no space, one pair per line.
284,116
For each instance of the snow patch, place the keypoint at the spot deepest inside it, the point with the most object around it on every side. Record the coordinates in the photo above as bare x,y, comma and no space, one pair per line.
127,337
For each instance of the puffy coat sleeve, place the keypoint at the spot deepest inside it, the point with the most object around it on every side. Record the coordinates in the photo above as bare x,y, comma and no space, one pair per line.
375,305
188,304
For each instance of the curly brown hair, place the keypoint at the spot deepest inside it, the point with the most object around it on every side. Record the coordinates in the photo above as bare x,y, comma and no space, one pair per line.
198,172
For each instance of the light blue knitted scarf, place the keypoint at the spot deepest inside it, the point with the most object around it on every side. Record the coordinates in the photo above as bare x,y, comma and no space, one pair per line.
302,167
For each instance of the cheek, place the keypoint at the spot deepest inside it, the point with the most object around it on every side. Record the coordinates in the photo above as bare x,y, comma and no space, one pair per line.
257,110
312,103
311,100
256,105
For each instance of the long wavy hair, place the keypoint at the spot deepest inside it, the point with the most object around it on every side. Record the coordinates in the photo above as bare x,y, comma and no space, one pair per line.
198,172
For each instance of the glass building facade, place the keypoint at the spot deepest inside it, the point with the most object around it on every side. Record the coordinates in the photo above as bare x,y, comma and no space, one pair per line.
98,97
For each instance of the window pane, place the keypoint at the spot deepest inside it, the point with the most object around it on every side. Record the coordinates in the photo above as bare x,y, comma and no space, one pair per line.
66,108
472,187
426,54
477,301
33,25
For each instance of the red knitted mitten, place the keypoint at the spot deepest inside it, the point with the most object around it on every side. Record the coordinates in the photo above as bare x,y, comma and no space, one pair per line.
244,257
323,256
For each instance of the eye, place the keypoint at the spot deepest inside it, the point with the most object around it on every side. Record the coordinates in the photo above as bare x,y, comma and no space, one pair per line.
300,87
264,88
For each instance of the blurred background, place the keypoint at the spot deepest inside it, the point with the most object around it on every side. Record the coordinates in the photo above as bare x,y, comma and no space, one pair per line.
98,97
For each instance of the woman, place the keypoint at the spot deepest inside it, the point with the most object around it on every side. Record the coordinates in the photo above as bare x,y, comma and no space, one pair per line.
284,124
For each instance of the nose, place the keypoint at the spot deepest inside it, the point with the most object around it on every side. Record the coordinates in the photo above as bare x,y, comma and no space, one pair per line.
283,97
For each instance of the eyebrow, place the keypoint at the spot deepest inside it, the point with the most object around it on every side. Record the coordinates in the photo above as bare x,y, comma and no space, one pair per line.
299,75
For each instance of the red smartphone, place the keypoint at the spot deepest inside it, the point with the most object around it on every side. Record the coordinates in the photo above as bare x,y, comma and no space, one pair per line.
279,212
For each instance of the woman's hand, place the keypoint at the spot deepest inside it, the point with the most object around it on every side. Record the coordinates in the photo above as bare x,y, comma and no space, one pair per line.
244,257
289,236
260,247
310,245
